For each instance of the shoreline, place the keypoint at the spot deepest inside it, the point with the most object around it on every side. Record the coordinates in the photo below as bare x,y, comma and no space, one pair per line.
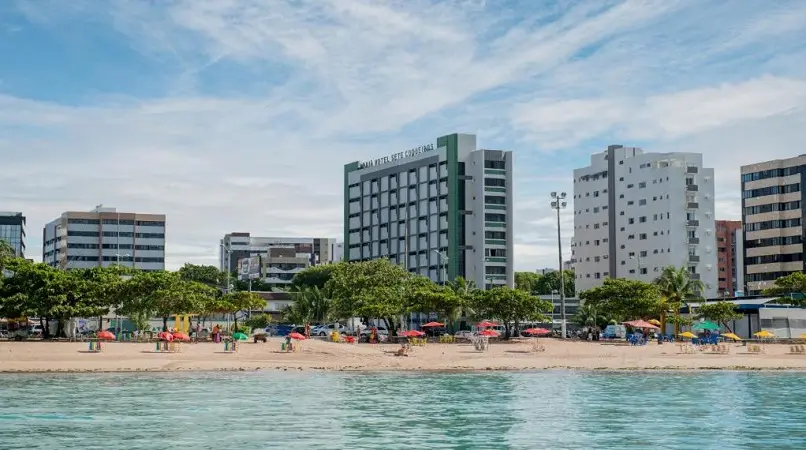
320,356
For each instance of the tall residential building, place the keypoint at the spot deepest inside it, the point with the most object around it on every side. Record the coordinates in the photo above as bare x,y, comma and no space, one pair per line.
104,237
275,260
728,241
12,230
636,213
441,210
772,213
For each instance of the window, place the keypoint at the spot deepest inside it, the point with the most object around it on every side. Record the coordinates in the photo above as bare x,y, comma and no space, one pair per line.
498,182
642,236
642,185
642,219
642,202
629,186
630,221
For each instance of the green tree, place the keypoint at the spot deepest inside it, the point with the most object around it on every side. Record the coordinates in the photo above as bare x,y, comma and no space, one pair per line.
588,315
511,306
550,282
677,288
208,275
466,291
235,302
310,305
527,281
720,312
258,321
443,300
622,300
7,253
314,276
790,289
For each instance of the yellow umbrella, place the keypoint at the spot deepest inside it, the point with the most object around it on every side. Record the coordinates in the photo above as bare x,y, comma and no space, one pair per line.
732,336
687,335
764,334
655,322
803,336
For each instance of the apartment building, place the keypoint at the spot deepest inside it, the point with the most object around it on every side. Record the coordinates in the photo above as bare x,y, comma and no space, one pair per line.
12,230
442,210
275,260
103,237
773,220
636,213
729,261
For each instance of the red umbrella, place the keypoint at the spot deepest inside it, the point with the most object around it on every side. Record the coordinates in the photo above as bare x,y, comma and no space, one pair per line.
536,331
297,336
489,333
412,333
181,337
433,324
640,324
485,324
106,335
165,336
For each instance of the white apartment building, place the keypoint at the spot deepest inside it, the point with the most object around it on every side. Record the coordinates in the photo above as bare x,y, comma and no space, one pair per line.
441,210
104,237
278,258
636,213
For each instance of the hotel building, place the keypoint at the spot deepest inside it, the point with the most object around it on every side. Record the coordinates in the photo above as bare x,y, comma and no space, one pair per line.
636,213
730,259
104,237
442,210
274,260
12,230
772,213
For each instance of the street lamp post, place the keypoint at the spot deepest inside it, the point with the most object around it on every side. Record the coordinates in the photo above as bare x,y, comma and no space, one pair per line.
118,326
444,260
558,202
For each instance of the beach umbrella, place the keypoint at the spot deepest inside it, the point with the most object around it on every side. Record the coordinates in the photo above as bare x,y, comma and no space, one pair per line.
486,324
654,322
687,335
705,325
412,333
536,331
239,336
297,336
732,336
433,324
106,335
489,333
640,324
803,336
181,336
764,334
165,336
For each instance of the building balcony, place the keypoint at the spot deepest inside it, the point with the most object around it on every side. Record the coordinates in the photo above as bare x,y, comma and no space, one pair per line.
692,169
692,188
694,241
694,276
693,258
693,223
692,205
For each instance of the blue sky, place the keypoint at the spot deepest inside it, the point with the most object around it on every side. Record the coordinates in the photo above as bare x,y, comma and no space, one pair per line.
238,115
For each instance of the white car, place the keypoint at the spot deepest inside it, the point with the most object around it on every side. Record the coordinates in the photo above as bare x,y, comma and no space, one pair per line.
463,335
327,330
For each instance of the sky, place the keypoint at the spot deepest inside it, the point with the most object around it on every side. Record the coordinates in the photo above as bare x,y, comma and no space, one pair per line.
239,115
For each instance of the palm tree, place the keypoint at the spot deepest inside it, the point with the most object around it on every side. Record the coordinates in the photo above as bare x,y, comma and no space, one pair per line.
588,316
465,290
310,304
677,288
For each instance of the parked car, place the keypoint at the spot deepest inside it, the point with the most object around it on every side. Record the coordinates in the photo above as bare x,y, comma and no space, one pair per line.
326,330
36,331
381,331
463,335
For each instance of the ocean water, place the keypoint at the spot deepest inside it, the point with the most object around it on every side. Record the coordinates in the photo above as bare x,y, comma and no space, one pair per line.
311,410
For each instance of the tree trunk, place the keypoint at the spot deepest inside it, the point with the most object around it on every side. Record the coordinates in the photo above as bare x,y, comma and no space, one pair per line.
58,328
42,324
677,321
235,319
506,331
662,322
165,323
517,327
100,323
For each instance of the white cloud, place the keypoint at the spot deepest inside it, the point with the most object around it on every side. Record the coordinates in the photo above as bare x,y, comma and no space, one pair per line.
264,101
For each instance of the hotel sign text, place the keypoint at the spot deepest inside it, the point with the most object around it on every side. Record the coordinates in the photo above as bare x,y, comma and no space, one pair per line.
397,156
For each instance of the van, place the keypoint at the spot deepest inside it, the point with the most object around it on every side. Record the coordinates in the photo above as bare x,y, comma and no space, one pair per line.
615,332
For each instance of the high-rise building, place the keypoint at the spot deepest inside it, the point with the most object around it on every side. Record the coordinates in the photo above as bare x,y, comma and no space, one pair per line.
773,216
636,213
104,237
728,241
12,230
441,210
275,260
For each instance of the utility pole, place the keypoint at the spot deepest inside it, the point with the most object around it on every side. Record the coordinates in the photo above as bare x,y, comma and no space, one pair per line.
558,202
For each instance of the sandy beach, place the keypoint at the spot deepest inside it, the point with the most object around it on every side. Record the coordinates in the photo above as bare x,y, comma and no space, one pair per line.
320,355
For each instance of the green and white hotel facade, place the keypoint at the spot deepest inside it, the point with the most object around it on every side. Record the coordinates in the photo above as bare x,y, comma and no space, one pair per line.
441,210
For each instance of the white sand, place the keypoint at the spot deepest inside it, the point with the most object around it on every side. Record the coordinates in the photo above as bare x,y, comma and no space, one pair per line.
319,355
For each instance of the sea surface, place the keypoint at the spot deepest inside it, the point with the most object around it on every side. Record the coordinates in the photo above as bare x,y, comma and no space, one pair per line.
311,410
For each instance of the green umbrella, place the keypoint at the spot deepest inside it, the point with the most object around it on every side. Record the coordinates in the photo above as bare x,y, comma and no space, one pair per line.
705,325
239,336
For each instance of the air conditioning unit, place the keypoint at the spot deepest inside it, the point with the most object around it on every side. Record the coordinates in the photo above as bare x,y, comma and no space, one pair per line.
709,266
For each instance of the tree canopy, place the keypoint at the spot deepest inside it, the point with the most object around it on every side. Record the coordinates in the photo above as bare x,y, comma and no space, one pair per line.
623,300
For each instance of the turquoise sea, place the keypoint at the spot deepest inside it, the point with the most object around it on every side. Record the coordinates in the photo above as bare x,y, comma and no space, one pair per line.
310,410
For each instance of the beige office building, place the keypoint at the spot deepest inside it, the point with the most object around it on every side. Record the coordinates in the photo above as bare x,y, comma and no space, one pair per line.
773,219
